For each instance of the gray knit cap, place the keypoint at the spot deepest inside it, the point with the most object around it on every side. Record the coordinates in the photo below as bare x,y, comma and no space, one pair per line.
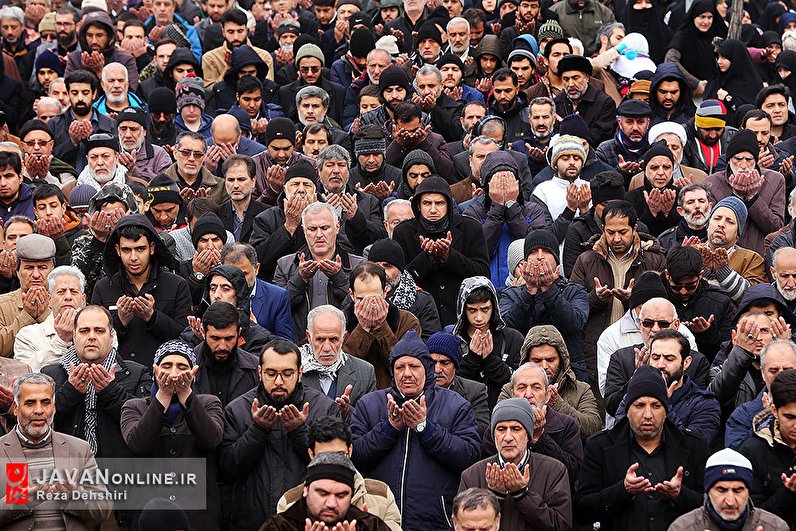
518,409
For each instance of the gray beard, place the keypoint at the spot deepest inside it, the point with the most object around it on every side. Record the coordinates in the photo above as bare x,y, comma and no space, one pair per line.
103,179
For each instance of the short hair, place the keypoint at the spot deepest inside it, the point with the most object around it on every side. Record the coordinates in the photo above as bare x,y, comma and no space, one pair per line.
32,378
12,13
479,294
376,51
770,90
314,129
774,344
683,262
316,208
20,219
755,114
134,232
783,388
682,341
693,187
131,22
543,100
66,271
97,308
283,347
193,135
548,49
326,429
81,76
473,103
325,309
504,74
48,100
365,270
607,179
406,111
368,90
311,91
219,315
528,365
66,10
607,30
115,65
426,70
47,190
251,167
333,152
473,499
457,20
53,82
482,140
475,15
248,84
234,15
237,251
12,160
397,202
199,206
621,209
139,190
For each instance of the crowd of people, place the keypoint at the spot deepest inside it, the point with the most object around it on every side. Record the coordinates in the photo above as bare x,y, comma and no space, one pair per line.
393,264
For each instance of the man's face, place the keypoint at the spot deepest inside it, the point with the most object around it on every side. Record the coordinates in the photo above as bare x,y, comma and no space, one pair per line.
787,422
529,384
174,364
654,317
695,208
761,129
310,69
393,274
66,294
476,33
723,228
528,9
451,75
10,181
327,501
666,357
280,150
478,519
136,255
444,370
93,336
683,288
784,274
49,208
410,375
395,215
134,35
249,271
776,105
778,358
215,8
45,113
470,116
480,151
371,162
546,357
81,97
394,94
668,94
161,119
458,35
115,85
45,76
97,38
710,136
35,411
505,92
325,13
646,416
221,341
376,64
163,11
190,154
575,84
674,143
334,175
251,102
247,70
33,273
429,49
568,166
234,34
433,206
326,337
165,213
416,174
280,374
659,171
14,232
388,14
614,40
488,63
314,143
11,30
367,286
311,111
65,28
131,136
238,183
209,241
38,142
321,232
729,499
299,186
181,71
511,440
523,69
428,85
102,163
633,127
454,7
479,314
542,120
619,234
191,113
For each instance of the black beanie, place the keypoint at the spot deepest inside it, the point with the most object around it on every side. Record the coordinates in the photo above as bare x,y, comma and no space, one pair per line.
101,139
361,42
646,381
131,114
163,99
428,30
160,514
280,128
209,223
647,286
304,169
391,76
387,250
658,149
450,59
743,141
612,190
163,189
35,125
541,239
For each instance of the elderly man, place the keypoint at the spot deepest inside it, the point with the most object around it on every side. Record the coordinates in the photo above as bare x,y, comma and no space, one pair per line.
476,509
438,425
676,139
443,110
636,470
312,106
47,108
189,172
228,141
540,499
34,409
579,96
272,164
326,367
38,141
693,206
116,95
142,159
783,271
40,344
102,153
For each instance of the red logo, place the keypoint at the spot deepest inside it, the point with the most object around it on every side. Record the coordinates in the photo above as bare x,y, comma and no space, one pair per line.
17,483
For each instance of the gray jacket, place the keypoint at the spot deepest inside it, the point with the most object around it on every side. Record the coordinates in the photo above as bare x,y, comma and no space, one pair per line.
355,372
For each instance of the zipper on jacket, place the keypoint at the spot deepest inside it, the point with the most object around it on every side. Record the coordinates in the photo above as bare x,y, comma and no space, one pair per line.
445,511
403,469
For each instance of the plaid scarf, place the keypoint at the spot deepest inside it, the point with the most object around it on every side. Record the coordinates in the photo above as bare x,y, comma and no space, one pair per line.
310,364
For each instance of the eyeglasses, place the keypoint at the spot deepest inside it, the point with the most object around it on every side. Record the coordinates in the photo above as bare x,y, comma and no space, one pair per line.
308,69
187,153
47,36
286,375
36,143
680,287
649,323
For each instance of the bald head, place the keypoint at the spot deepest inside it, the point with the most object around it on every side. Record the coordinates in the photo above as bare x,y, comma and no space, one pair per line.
777,356
225,130
655,315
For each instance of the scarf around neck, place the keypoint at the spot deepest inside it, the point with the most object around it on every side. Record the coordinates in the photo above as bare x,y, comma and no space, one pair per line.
405,293
310,364
723,524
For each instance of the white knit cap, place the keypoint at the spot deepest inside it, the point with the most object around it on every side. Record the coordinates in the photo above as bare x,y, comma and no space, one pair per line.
563,144
667,128
389,44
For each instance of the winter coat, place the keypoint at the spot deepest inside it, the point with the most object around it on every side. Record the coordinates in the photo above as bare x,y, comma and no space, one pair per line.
215,67
110,53
547,504
424,486
23,206
228,214
434,145
700,519
684,108
692,152
658,223
580,232
740,425
707,300
205,124
595,107
476,394
675,235
583,24
139,340
445,117
517,118
270,306
388,174
601,493
10,97
263,464
245,373
64,149
294,517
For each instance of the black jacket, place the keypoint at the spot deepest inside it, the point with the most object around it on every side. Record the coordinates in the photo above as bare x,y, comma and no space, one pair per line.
287,98
706,301
227,214
518,123
445,117
601,494
245,373
579,233
139,339
475,393
132,380
596,108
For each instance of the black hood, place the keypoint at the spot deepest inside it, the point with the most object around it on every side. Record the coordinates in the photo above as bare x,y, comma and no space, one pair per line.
242,290
670,72
242,56
181,55
112,263
102,20
768,293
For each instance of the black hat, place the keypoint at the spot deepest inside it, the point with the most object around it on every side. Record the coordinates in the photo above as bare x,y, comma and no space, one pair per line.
304,169
35,125
450,59
574,125
634,109
541,239
358,19
647,286
647,381
209,223
163,189
387,250
102,139
610,190
163,99
743,141
428,30
361,42
280,128
658,149
392,76
574,62
132,114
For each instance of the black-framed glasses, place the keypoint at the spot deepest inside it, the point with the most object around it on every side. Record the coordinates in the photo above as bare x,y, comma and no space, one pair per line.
187,153
690,286
308,69
649,323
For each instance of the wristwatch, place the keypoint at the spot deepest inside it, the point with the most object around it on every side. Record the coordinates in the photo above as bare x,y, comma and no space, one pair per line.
510,203
420,427
199,277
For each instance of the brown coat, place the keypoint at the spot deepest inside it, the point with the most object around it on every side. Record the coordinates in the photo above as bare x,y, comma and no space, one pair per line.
749,265
12,318
463,191
699,519
214,66
696,176
216,189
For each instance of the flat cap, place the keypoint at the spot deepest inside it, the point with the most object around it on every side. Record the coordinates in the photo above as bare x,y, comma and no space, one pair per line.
35,247
634,109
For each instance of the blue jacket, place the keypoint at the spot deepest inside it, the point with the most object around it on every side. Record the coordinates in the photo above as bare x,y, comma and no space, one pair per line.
204,130
271,308
101,105
190,33
739,425
22,207
423,469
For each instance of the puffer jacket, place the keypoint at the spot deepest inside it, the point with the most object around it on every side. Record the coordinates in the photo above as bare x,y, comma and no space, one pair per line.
494,369
422,469
684,109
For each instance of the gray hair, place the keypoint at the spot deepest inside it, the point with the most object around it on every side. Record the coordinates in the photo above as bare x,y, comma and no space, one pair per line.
774,344
235,251
528,365
693,187
779,252
379,50
11,147
114,65
14,13
332,458
48,100
792,197
482,140
395,202
473,499
54,81
325,309
316,208
192,135
543,100
659,300
66,271
607,30
426,70
33,378
311,91
457,20
333,152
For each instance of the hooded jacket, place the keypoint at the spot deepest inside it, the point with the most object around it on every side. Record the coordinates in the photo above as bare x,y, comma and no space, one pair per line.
102,20
684,109
424,486
517,117
183,26
489,45
180,56
139,339
494,369
215,67
223,92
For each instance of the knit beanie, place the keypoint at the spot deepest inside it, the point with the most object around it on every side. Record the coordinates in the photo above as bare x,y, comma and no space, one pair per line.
163,189
541,239
515,255
450,59
361,42
163,99
303,169
132,114
574,125
737,206
608,191
49,59
517,409
388,250
280,128
80,197
550,30
565,145
369,146
47,23
428,30
175,346
393,76
728,465
522,52
418,156
310,50
208,223
102,139
527,43
190,91
388,43
647,286
339,473
743,141
447,345
647,381
710,114
658,149
667,128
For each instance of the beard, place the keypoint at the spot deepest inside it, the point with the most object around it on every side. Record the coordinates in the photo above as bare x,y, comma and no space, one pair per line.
81,108
691,220
114,99
103,177
787,294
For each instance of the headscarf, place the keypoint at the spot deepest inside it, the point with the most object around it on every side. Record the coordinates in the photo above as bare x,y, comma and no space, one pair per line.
741,81
768,18
648,23
696,46
787,59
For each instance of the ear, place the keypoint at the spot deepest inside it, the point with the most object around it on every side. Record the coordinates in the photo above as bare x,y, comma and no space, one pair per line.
687,362
773,272
680,210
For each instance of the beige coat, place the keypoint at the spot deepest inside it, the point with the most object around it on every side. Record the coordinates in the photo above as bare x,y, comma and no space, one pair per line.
12,318
214,66
699,519
38,344
696,176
